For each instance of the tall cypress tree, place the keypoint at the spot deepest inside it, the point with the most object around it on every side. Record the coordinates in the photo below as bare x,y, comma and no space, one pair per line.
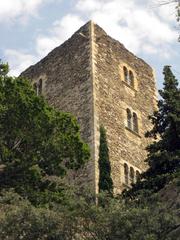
105,180
164,153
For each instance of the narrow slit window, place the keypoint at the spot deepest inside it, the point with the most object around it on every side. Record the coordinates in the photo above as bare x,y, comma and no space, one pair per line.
129,118
132,175
126,174
126,78
137,175
131,78
135,123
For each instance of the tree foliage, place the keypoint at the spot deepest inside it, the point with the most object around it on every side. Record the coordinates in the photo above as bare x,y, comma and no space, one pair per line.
37,143
81,219
105,180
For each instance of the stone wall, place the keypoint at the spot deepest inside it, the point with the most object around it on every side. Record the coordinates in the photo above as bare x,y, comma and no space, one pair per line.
68,86
114,96
84,76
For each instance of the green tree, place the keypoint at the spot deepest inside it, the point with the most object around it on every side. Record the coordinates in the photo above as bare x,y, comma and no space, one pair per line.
37,143
105,180
164,153
81,219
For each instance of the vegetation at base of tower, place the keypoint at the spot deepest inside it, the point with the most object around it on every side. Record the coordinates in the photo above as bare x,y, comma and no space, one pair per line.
105,180
164,153
81,219
37,143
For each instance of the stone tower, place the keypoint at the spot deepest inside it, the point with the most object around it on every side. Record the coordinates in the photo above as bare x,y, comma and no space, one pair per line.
98,80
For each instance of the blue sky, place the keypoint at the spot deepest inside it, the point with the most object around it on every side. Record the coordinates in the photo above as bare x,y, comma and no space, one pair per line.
32,28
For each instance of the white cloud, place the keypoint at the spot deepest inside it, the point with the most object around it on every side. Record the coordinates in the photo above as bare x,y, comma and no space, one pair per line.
45,44
166,11
149,26
140,26
18,61
132,22
89,5
11,10
149,49
61,30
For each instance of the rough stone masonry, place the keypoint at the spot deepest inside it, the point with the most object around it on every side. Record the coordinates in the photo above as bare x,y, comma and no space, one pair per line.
98,80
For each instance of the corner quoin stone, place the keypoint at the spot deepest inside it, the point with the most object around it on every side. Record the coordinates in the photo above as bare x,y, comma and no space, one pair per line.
84,76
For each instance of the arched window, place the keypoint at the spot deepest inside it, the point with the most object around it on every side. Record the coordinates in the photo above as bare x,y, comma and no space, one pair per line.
126,77
126,173
132,174
131,78
137,175
129,118
135,122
